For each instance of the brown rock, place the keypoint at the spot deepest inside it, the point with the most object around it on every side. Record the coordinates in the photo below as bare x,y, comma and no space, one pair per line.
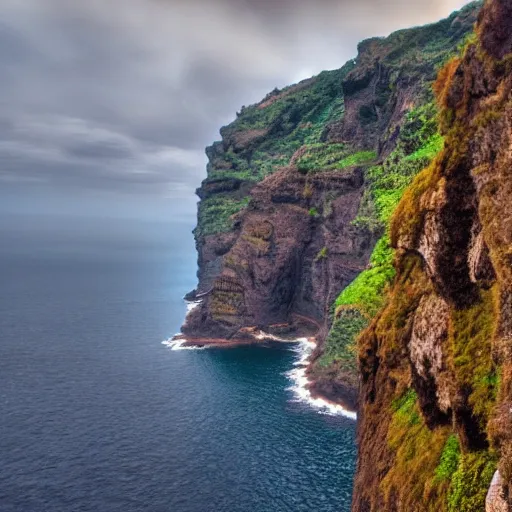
495,500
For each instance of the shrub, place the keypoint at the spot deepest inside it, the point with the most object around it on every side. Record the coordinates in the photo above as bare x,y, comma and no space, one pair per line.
404,408
418,143
324,157
321,156
359,158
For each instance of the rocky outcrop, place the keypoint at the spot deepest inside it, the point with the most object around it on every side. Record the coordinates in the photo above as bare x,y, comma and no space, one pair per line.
390,78
290,253
436,366
495,500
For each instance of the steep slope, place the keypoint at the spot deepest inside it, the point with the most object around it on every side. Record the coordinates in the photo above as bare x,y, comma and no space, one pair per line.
301,187
436,399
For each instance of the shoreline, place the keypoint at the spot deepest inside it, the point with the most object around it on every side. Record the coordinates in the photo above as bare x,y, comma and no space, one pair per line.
302,384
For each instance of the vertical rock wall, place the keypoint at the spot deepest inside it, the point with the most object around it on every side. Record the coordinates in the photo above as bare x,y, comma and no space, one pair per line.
436,364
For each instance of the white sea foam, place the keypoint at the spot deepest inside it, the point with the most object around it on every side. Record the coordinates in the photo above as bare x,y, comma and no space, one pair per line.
179,344
192,304
262,335
304,348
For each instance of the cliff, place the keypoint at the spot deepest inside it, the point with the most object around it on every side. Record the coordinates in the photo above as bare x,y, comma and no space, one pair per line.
299,193
435,429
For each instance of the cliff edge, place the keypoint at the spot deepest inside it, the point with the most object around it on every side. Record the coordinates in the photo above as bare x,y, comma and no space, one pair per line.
435,429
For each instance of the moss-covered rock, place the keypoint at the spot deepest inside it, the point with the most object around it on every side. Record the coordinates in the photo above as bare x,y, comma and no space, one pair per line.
435,362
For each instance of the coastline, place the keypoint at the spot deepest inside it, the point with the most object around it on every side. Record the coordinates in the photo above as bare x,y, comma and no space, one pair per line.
303,386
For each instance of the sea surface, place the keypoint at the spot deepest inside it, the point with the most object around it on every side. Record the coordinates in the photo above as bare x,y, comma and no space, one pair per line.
96,414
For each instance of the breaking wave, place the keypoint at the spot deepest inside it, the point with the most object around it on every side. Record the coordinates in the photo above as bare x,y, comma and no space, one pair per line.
300,381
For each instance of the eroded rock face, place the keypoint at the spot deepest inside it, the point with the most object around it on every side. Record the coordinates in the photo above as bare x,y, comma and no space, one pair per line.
434,353
480,264
427,349
495,500
292,251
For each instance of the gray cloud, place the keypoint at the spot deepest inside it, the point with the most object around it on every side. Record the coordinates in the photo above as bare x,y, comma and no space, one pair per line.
125,94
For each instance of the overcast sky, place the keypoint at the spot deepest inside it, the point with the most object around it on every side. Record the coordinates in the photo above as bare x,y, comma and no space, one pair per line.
118,98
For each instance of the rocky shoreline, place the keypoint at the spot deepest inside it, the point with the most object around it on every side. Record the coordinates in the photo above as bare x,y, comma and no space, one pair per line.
332,392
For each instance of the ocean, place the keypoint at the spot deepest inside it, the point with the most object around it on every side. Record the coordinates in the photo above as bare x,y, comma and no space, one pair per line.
98,414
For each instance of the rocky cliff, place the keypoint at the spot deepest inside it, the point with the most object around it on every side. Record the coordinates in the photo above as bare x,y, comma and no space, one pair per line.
299,193
435,429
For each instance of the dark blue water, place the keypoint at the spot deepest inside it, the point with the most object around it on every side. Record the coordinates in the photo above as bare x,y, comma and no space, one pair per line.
97,415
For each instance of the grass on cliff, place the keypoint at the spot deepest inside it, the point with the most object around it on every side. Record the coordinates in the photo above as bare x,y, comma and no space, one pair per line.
366,292
340,345
215,214
323,157
470,336
316,100
418,450
429,466
294,117
428,44
470,482
298,115
419,142
449,461
460,481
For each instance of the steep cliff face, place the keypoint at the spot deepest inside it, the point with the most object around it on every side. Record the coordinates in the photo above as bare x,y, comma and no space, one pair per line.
298,194
436,399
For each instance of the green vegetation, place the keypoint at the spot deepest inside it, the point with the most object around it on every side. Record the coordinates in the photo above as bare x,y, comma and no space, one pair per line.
418,143
417,453
321,156
341,341
471,332
226,174
366,292
313,212
460,478
429,465
404,408
265,136
316,101
322,254
325,157
428,44
215,214
450,457
360,158
470,482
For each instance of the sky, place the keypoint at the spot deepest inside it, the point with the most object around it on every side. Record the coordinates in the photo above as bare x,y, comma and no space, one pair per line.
107,105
